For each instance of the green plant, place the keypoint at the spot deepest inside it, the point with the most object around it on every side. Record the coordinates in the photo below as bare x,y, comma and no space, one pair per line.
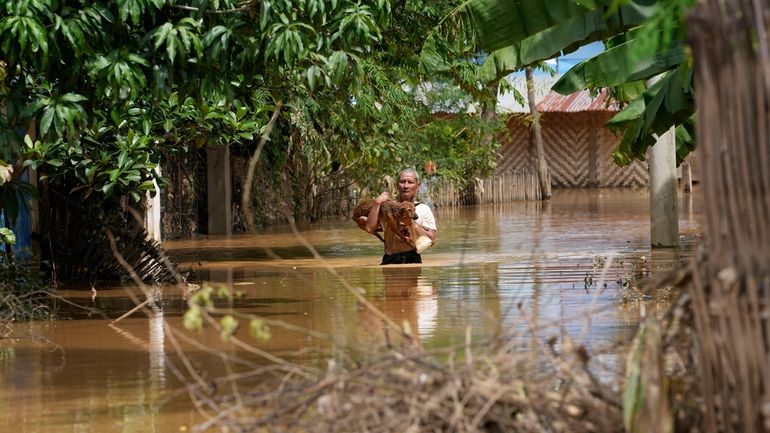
205,306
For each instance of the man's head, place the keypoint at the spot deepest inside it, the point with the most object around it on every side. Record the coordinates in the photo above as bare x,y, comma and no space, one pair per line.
408,182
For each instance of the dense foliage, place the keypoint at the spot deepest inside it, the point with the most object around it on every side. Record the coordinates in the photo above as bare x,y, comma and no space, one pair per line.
106,87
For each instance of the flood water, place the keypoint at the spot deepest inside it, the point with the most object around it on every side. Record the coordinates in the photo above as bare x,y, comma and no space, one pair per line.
535,269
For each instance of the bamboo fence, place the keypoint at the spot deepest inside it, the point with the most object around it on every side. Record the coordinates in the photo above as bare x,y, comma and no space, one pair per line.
513,185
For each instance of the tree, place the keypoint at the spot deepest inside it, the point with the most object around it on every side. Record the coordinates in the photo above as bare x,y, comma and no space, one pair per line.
128,78
111,87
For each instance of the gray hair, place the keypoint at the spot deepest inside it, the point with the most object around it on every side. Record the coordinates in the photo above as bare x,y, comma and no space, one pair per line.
409,171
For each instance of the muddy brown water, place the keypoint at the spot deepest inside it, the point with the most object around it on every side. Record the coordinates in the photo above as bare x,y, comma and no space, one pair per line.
534,269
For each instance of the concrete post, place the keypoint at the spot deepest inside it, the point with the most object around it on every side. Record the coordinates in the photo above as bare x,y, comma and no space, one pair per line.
218,185
664,215
152,212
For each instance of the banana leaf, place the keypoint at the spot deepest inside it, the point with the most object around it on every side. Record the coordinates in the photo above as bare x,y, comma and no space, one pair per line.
669,102
619,65
561,38
520,33
500,23
433,56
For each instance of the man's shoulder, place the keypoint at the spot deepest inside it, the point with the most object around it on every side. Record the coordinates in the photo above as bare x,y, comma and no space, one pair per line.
422,208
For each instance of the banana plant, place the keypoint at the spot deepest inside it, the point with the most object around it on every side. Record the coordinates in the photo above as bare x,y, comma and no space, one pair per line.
644,38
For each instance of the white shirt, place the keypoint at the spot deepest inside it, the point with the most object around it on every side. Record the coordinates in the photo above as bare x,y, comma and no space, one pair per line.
425,216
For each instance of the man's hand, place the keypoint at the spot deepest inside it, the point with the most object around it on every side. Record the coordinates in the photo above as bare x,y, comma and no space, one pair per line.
373,220
382,198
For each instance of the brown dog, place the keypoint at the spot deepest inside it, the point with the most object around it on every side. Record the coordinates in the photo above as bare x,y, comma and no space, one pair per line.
398,216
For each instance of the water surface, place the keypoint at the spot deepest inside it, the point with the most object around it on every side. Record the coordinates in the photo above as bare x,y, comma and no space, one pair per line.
536,269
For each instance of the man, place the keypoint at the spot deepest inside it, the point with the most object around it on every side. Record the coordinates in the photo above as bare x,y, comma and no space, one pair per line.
396,250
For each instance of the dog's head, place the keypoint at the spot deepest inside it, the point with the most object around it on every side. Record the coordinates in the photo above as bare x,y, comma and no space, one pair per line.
405,211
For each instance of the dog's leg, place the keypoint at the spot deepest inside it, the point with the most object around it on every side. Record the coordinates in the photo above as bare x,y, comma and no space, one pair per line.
364,219
422,244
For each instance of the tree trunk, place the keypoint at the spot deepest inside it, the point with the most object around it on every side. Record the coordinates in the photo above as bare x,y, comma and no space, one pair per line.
537,135
488,112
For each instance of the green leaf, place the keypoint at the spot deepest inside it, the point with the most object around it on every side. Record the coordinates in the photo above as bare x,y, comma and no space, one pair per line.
259,330
73,98
338,63
264,15
171,47
500,23
135,58
46,120
122,158
40,37
107,188
645,377
228,327
193,318
7,236
616,66
667,103
147,185
564,31
433,56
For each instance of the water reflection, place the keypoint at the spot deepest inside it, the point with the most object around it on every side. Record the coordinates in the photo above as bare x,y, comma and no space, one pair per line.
409,301
157,351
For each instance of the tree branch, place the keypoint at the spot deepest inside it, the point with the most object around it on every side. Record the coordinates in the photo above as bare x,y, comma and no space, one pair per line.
248,212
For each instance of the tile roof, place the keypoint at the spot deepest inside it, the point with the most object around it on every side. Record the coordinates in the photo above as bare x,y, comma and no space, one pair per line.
576,102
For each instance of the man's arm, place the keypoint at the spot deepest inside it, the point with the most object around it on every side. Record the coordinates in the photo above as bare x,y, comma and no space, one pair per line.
373,220
427,222
430,233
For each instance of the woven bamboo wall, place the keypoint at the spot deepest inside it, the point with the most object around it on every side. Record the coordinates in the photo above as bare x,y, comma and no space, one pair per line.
513,185
572,159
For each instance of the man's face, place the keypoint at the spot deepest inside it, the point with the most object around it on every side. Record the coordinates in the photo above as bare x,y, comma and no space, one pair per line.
407,186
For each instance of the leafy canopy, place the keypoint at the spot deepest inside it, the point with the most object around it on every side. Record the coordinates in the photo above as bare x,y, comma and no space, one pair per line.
107,88
107,85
